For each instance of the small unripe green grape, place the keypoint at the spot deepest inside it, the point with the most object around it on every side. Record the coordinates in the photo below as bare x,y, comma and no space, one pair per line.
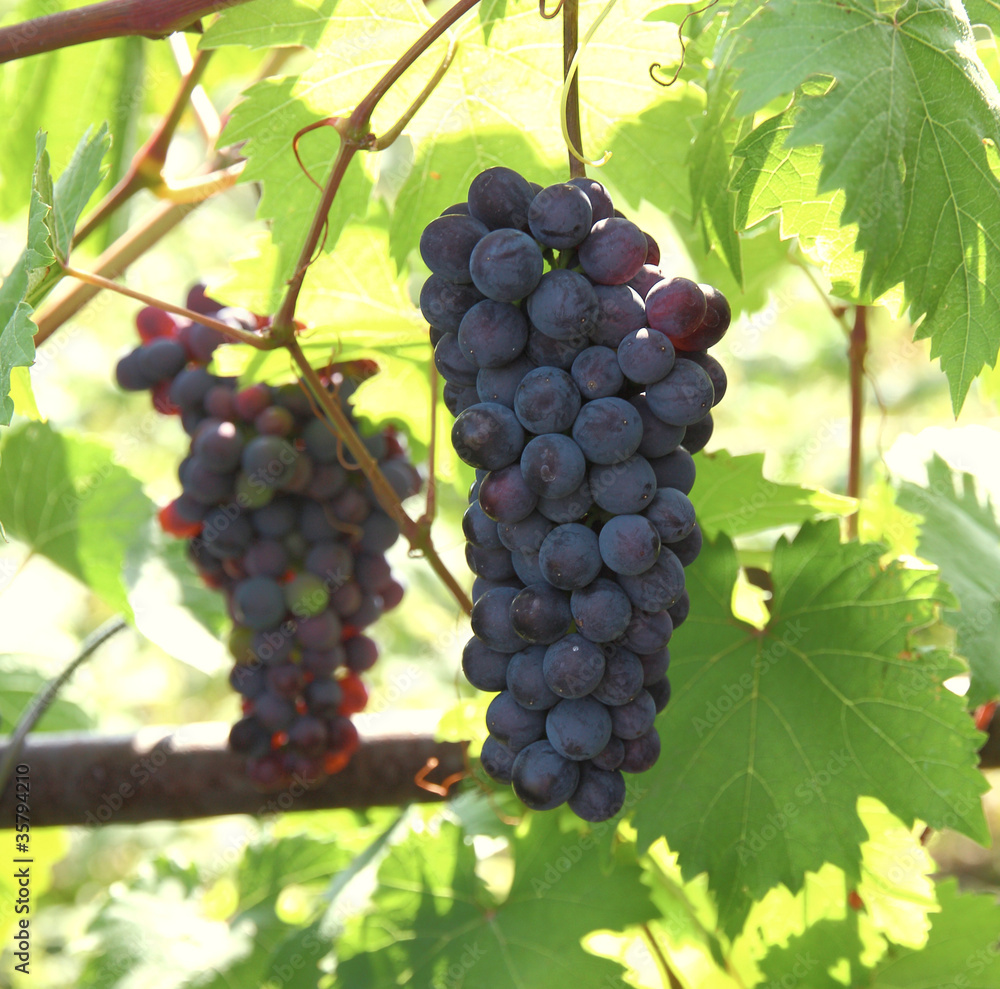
240,645
306,595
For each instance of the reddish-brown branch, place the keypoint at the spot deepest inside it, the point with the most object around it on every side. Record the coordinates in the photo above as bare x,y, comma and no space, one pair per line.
112,19
147,163
857,351
65,303
416,535
355,136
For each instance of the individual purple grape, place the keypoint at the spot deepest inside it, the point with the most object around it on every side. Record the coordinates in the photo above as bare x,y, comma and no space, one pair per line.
526,680
629,544
620,310
492,334
687,549
485,668
624,488
573,666
680,609
452,364
647,276
610,757
713,326
713,369
506,265
497,760
645,356
570,507
500,197
655,665
659,587
684,396
601,610
161,359
608,430
546,401
504,496
560,216
563,305
675,470
360,653
553,465
491,620
660,692
266,558
446,245
540,613
488,435
671,514
493,564
622,680
578,728
479,528
658,438
676,308
614,251
597,373
648,631
499,384
513,725
546,351
569,556
542,778
600,199
443,303
599,795
697,435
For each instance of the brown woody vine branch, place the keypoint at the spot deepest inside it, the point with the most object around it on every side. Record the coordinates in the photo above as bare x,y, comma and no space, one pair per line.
112,19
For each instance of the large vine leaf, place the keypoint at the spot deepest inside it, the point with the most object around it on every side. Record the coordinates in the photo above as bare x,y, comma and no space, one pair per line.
962,537
903,130
67,499
52,215
734,497
962,949
773,734
436,924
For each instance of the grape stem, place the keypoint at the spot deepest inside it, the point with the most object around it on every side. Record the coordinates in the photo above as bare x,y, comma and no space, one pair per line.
243,336
418,536
147,163
857,350
43,700
355,136
131,245
571,40
112,19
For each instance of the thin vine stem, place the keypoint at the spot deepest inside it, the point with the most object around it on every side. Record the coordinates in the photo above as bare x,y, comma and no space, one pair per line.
243,336
40,704
571,41
355,136
418,536
147,163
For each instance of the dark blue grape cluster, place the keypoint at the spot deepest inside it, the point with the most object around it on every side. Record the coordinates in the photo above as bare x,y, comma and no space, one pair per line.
280,520
579,377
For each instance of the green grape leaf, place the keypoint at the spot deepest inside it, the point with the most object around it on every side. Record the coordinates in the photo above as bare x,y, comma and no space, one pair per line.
52,215
491,11
733,496
709,166
65,497
962,949
814,957
22,683
961,536
436,924
773,733
984,12
267,118
902,131
277,23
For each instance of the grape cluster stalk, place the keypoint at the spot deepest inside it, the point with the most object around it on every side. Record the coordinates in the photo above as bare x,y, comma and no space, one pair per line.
280,520
580,381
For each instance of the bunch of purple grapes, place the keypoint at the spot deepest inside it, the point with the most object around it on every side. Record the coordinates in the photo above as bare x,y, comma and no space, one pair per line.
279,518
581,384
